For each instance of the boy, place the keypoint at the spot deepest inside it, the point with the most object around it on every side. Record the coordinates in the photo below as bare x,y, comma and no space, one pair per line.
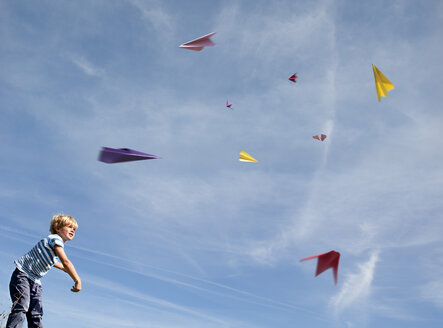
25,287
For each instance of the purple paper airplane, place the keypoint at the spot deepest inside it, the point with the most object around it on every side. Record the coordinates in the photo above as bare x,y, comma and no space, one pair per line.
228,104
113,155
199,43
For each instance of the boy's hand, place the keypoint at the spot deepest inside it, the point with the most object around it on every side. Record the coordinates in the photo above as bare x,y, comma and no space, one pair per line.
77,286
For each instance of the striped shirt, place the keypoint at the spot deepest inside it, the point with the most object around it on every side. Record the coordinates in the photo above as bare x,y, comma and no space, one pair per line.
40,259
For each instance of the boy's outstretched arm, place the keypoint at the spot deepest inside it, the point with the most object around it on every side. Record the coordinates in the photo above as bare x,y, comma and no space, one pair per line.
68,267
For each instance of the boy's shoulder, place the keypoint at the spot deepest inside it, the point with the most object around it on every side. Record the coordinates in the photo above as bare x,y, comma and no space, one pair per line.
55,239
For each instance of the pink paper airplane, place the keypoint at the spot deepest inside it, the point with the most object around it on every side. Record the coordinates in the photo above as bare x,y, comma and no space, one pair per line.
293,78
199,43
321,137
326,261
228,104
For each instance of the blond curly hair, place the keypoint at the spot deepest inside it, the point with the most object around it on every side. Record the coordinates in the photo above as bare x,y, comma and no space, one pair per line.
62,220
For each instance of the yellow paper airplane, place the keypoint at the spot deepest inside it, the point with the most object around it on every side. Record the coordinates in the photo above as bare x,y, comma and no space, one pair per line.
245,157
382,84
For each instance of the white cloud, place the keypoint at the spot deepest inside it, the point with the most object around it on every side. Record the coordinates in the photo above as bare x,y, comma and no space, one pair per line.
356,287
431,282
433,292
153,12
151,302
86,66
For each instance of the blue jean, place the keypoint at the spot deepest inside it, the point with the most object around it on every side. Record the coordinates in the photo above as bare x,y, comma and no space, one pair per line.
26,296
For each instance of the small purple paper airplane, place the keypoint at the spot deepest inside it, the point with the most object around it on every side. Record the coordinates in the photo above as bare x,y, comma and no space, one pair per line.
113,155
199,43
228,104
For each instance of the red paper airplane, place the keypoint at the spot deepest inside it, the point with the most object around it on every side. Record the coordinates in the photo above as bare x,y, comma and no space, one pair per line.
199,43
326,261
293,78
321,137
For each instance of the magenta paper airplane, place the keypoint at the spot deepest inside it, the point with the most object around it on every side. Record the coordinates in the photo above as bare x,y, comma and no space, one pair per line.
199,43
113,155
293,78
321,137
326,261
228,104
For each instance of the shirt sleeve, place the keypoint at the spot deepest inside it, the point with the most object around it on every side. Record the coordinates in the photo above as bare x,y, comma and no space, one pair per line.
59,242
55,240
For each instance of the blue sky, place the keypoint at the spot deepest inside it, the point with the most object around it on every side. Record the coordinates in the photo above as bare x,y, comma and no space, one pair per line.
197,238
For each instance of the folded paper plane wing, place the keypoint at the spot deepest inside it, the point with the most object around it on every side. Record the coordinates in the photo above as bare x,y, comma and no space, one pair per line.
320,137
114,155
326,261
293,78
245,157
382,83
199,43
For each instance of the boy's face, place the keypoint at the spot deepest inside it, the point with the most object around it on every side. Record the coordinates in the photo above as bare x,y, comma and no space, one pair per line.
67,233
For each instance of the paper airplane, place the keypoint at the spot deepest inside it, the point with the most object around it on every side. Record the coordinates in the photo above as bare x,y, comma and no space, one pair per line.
382,84
293,78
321,137
113,155
326,261
228,104
245,157
199,43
